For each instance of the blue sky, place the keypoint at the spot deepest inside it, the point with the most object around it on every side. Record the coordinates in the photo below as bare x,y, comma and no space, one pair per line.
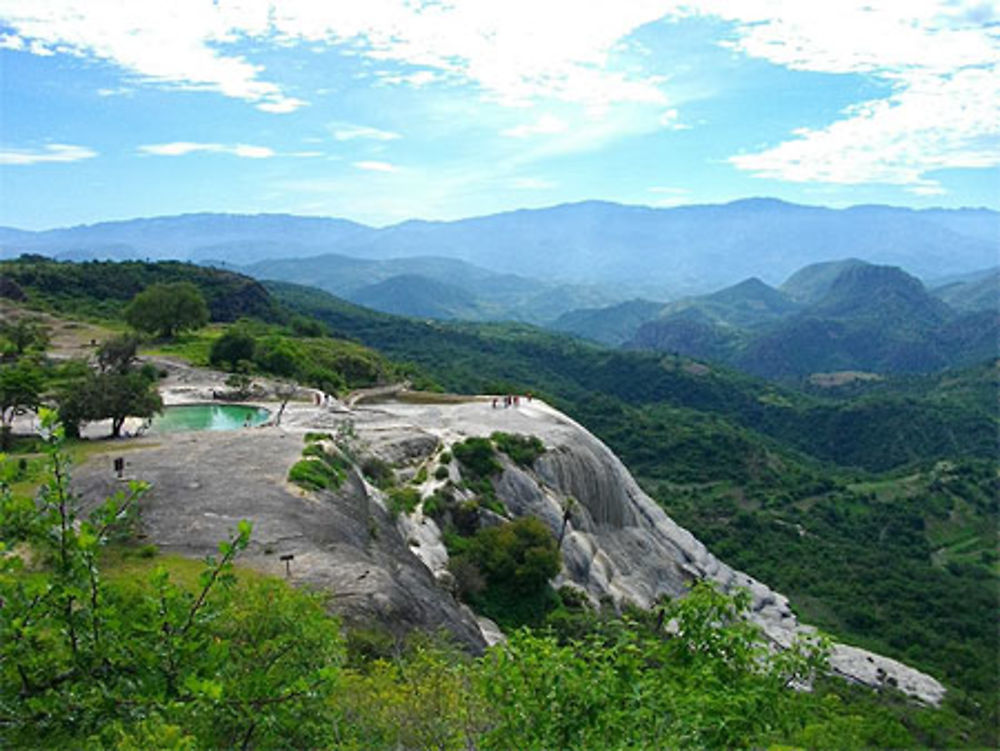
383,110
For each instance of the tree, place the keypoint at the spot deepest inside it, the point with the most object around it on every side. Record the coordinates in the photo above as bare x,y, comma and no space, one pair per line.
85,662
235,346
117,354
25,334
166,309
20,388
113,396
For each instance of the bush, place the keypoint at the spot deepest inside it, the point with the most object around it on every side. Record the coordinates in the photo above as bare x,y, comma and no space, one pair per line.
523,450
313,474
477,458
378,472
319,470
235,346
403,500
441,473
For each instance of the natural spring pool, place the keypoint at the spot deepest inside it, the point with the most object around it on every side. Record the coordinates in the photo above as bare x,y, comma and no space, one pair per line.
208,417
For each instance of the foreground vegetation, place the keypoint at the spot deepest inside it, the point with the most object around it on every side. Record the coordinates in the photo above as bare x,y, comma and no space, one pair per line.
873,505
120,648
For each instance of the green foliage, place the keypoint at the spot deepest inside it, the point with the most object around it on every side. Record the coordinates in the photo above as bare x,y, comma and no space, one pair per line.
118,354
23,335
478,460
103,288
445,457
421,476
522,449
20,391
713,685
516,561
319,471
236,345
378,472
112,395
165,309
403,500
441,473
241,384
86,661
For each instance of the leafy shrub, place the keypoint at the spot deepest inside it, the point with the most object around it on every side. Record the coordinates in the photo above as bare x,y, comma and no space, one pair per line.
313,474
403,500
445,457
236,345
379,472
421,476
523,450
477,458
441,473
319,470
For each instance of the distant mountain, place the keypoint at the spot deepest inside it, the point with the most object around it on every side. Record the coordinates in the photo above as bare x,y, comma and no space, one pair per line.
475,293
234,238
810,284
417,296
636,250
853,316
748,304
613,325
980,291
884,295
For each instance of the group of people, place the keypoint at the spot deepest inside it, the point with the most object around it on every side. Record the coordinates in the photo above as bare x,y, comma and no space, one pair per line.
510,400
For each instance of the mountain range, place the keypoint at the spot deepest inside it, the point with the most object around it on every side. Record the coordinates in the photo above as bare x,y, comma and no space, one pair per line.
839,316
659,253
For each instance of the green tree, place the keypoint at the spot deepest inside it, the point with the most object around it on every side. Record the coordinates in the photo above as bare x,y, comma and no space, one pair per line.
88,663
166,309
118,354
25,334
20,389
114,396
233,347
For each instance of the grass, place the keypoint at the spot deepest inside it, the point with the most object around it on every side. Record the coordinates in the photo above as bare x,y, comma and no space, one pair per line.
193,346
132,565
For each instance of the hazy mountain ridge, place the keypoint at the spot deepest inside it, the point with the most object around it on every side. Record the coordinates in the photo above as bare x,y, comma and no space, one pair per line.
851,316
467,291
661,253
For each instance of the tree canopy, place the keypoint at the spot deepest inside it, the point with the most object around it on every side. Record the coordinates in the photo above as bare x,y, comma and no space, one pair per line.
166,309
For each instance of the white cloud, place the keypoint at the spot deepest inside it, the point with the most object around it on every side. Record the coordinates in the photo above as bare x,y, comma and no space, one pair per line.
375,166
671,120
941,61
177,43
545,125
531,183
349,132
53,152
516,51
182,148
11,42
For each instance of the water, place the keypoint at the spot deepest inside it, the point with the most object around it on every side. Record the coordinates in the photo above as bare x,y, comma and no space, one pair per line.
208,417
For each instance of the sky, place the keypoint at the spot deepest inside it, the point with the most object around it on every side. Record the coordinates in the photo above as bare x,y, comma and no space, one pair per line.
386,110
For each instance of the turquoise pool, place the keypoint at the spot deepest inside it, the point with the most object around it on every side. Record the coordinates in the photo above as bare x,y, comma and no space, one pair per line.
208,417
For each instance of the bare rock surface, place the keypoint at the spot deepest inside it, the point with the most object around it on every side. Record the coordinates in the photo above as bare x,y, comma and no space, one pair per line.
619,543
344,544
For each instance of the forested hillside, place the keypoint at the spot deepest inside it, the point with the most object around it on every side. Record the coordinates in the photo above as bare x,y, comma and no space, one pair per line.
872,504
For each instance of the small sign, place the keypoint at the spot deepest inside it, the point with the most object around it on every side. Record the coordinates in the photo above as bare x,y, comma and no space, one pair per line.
287,558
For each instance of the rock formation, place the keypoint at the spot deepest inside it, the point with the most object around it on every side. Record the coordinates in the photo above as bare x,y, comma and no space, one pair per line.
619,543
